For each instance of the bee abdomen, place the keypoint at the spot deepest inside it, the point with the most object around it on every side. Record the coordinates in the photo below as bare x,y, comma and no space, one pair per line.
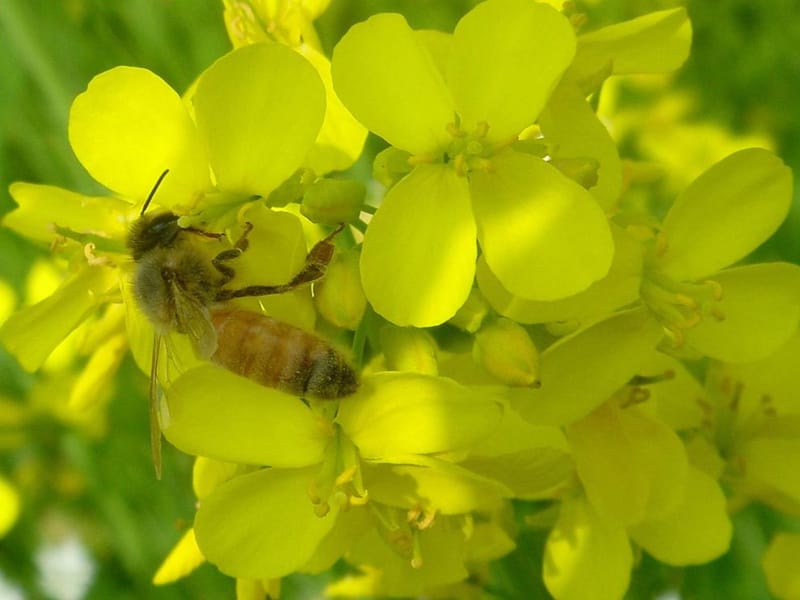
280,356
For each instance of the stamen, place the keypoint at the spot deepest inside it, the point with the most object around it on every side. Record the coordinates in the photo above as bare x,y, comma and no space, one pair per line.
346,476
93,259
640,380
416,556
454,130
636,395
355,500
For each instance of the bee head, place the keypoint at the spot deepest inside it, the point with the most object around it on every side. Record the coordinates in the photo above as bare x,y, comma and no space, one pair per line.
149,232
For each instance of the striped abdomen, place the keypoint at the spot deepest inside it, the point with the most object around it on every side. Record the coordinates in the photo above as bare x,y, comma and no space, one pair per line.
279,355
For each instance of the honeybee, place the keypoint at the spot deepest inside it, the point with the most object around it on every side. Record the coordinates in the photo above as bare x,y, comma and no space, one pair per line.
179,289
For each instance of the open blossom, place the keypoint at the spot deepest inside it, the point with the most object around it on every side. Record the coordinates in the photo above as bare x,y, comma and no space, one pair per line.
456,105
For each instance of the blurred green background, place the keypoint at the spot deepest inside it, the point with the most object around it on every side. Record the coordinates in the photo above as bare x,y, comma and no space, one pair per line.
743,75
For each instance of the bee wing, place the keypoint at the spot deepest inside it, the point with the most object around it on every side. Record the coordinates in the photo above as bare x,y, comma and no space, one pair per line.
194,319
155,423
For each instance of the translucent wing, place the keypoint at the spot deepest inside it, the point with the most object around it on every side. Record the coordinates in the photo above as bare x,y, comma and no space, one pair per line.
155,423
194,320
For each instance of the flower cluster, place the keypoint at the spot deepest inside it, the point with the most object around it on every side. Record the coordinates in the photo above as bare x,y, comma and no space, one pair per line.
527,339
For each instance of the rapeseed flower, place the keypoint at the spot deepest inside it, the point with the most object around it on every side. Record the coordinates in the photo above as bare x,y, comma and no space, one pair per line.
456,105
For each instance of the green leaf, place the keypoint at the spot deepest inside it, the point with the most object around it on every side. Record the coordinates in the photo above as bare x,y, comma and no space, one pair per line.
580,372
507,56
586,554
617,289
257,425
761,308
726,213
697,531
418,260
128,127
261,525
398,413
406,101
542,235
259,110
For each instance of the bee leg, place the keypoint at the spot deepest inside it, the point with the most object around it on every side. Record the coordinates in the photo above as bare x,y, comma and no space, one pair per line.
314,268
240,246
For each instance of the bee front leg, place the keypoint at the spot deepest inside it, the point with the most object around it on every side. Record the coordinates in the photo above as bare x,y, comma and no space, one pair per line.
317,261
238,247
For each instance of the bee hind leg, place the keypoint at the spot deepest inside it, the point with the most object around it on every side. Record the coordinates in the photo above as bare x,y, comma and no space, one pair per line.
317,261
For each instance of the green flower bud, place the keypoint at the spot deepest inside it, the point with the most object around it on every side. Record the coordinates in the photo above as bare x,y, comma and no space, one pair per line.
390,166
292,189
581,170
332,201
506,351
339,296
409,349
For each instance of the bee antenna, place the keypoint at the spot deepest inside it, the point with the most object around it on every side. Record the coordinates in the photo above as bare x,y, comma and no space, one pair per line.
153,191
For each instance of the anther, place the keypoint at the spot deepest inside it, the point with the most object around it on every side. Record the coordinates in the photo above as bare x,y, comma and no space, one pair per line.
454,130
354,500
715,287
636,395
717,313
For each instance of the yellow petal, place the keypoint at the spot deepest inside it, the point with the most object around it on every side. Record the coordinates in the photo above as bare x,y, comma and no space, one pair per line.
507,56
697,531
262,525
586,557
780,566
657,42
34,332
569,123
418,259
259,425
396,413
618,288
42,208
124,111
533,220
341,137
9,506
259,110
406,101
184,558
760,310
578,373
726,213
632,467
